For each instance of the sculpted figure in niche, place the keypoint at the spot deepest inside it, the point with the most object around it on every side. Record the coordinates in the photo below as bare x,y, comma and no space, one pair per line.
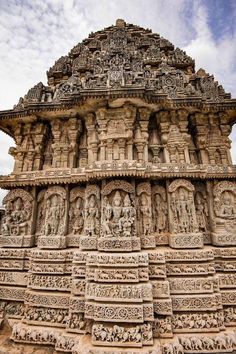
77,217
118,215
145,214
15,221
128,218
227,207
183,209
117,212
201,211
7,218
78,214
160,214
19,216
92,217
107,212
55,211
18,212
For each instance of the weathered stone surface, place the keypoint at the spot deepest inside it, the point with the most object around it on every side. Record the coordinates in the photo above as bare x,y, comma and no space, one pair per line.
118,232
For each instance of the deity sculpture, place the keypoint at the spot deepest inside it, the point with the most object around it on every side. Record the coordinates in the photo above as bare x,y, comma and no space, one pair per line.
227,207
183,213
201,212
107,212
16,218
145,214
92,216
7,219
128,217
54,212
117,213
77,215
160,214
118,216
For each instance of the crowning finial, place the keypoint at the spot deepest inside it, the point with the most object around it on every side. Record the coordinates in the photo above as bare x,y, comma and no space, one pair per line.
120,23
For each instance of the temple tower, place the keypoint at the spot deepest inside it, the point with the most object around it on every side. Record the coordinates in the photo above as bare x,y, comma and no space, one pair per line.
119,231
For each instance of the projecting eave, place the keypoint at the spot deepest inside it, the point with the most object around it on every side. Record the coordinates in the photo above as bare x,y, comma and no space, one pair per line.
70,103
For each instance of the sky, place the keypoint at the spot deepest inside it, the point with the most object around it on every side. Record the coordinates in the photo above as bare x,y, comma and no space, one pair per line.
35,33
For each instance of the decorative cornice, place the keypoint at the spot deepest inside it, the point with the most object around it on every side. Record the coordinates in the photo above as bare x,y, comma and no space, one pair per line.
125,169
148,97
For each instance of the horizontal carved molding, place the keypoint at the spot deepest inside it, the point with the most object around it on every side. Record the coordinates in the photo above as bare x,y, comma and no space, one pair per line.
132,169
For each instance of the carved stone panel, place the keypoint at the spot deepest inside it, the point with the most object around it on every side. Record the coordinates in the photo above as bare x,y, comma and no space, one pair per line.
17,222
182,217
224,213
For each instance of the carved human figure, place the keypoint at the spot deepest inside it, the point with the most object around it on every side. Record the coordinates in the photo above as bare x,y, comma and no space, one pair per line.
227,208
107,213
182,212
201,212
7,219
160,214
117,207
19,217
54,212
15,219
128,217
92,215
78,217
145,214
117,213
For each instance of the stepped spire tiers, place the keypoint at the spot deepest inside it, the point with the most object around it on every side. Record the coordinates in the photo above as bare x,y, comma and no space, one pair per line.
119,228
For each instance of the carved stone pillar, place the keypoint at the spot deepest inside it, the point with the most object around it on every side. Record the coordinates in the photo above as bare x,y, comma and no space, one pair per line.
40,131
56,127
74,132
163,118
144,121
91,137
200,124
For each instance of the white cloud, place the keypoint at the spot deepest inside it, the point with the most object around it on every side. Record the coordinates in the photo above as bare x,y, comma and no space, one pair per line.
217,57
33,34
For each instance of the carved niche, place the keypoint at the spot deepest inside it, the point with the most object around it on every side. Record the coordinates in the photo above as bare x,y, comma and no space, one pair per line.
65,142
53,218
182,216
224,193
76,216
41,213
115,132
17,220
28,150
76,211
118,211
176,140
91,229
202,212
144,215
118,215
160,214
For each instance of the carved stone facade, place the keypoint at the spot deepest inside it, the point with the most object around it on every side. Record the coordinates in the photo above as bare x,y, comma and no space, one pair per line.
119,230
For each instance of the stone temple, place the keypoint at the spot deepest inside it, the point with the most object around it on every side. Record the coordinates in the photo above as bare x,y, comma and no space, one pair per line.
119,230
